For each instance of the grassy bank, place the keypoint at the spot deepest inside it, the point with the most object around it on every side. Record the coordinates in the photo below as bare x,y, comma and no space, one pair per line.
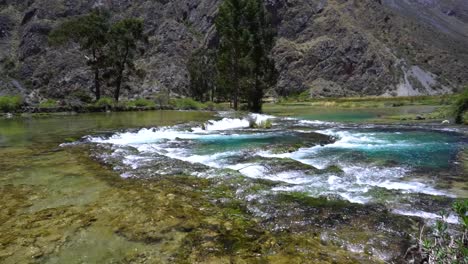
15,104
370,102
390,109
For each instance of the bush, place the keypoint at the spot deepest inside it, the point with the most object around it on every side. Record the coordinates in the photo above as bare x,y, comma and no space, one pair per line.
186,104
49,103
106,102
162,99
266,124
461,106
10,103
82,96
141,102
443,246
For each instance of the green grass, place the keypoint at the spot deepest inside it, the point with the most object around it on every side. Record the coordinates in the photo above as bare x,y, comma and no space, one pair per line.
10,103
186,104
105,102
141,102
369,102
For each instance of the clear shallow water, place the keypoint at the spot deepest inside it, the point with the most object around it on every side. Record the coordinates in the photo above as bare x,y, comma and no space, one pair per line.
346,115
39,179
401,167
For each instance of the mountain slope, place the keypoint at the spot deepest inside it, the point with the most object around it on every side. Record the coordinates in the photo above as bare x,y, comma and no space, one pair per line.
330,48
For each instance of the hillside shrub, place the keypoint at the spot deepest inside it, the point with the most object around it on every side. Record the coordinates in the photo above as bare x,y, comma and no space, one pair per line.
106,102
49,103
461,106
141,102
186,104
10,103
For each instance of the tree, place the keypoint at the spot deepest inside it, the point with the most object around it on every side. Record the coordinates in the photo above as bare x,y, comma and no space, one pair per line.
246,39
90,32
461,106
233,47
123,40
262,70
203,72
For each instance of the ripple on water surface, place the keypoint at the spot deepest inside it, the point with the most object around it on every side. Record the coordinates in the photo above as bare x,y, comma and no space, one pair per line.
394,166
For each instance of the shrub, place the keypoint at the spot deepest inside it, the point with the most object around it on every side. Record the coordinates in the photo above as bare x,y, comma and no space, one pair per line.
442,245
106,102
10,103
141,102
162,99
252,122
210,106
461,106
49,103
82,96
266,124
186,104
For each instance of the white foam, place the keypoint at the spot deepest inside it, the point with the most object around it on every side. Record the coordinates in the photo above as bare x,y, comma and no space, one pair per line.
144,136
251,170
452,219
232,123
315,122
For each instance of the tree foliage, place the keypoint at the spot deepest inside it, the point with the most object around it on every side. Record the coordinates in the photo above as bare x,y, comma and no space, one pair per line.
111,47
461,106
90,32
203,72
123,39
246,37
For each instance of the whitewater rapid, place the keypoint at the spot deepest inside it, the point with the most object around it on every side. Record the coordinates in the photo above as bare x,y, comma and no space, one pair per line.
219,144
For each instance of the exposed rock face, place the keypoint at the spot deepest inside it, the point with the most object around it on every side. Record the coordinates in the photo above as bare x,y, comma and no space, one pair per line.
329,47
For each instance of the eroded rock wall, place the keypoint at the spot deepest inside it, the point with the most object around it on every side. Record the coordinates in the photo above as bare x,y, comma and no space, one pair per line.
327,47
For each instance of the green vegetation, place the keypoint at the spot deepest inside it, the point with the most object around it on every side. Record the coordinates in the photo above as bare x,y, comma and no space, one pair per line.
49,103
90,32
368,102
202,70
124,37
443,247
265,124
141,102
186,104
110,48
106,102
246,39
10,103
461,107
240,69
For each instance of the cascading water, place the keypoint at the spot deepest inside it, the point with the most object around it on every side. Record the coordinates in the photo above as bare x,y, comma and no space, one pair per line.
399,167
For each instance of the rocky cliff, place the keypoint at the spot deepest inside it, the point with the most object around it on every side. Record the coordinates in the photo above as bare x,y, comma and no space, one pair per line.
327,47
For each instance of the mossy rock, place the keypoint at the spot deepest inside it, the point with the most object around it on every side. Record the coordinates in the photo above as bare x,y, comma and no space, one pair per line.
333,169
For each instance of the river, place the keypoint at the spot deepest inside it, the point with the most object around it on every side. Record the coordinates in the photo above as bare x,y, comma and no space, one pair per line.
175,186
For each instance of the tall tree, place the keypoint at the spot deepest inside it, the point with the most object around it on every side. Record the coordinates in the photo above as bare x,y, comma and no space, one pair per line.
203,72
124,37
90,32
244,62
262,66
233,47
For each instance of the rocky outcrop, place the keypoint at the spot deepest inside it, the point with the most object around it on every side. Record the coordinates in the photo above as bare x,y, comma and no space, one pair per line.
329,47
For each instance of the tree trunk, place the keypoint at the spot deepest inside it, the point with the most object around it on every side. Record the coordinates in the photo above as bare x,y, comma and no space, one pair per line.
236,82
257,97
118,83
97,84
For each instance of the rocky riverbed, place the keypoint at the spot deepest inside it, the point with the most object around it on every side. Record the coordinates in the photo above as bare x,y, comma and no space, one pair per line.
186,187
